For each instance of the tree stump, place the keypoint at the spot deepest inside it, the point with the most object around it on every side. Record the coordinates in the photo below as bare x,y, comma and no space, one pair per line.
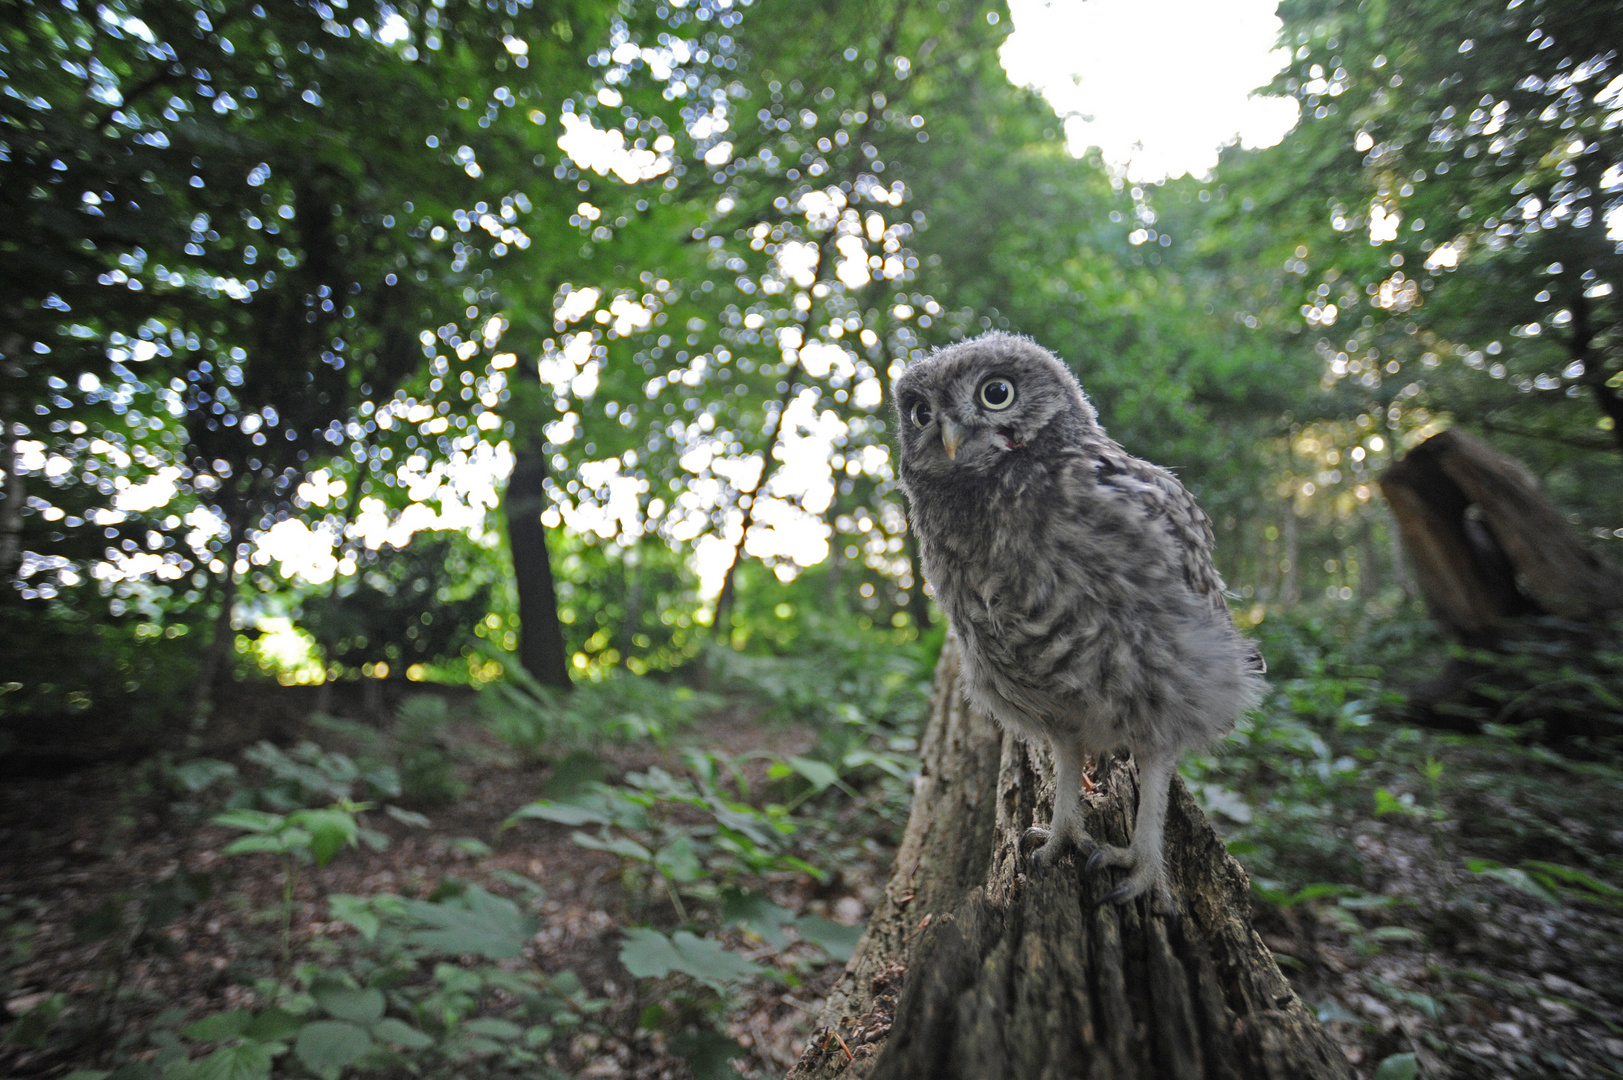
970,969
1486,545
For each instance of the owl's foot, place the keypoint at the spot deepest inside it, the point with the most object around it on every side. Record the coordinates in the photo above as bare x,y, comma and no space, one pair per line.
1143,875
1043,848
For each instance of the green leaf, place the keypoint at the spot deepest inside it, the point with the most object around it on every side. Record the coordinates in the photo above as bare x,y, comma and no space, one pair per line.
477,848
475,922
330,1045
1396,933
401,1034
495,1028
255,821
251,845
820,773
757,914
274,1025
1398,1067
708,1053
836,939
243,1061
219,1027
1319,890
1387,803
329,829
678,861
622,846
357,911
1551,873
885,762
408,817
358,1006
562,813
1516,878
201,773
647,953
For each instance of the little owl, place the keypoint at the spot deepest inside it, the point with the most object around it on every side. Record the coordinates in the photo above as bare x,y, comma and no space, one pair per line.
1079,580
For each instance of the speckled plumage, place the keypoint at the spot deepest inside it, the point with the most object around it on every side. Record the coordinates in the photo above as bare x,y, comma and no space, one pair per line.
1078,578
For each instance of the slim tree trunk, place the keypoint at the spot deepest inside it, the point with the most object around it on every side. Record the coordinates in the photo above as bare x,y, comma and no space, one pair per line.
216,656
1400,568
1581,346
1290,591
918,604
540,636
14,496
971,969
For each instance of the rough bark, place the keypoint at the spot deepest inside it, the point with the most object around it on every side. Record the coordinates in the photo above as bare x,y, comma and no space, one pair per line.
970,969
1485,544
13,496
216,658
540,635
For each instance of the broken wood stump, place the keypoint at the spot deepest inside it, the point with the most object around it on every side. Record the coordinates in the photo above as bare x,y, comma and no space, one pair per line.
970,969
1486,546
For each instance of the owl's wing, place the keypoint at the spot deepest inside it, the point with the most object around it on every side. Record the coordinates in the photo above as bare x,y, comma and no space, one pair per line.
1165,502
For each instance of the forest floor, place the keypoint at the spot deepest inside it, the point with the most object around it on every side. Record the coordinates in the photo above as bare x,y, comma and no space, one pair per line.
1477,972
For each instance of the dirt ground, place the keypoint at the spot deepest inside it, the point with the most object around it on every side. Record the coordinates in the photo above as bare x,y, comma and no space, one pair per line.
1476,978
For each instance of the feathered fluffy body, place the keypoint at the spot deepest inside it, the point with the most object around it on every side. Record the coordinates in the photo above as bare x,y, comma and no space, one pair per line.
1078,578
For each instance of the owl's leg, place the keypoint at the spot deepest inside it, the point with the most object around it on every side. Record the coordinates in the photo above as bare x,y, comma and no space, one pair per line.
1065,833
1142,859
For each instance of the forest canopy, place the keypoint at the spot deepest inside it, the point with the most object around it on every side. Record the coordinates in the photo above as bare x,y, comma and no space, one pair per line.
286,285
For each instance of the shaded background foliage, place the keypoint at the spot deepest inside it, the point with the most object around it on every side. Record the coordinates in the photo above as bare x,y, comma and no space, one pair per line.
323,273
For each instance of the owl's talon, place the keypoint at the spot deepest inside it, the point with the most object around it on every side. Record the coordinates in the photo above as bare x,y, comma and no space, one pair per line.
1033,838
1107,856
1143,876
1045,847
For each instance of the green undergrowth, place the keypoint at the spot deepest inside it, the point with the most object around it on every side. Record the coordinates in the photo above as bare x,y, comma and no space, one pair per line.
1335,753
716,847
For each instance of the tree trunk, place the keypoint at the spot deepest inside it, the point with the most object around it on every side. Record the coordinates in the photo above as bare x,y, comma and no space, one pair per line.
1486,545
970,969
1290,593
217,656
918,604
540,636
13,497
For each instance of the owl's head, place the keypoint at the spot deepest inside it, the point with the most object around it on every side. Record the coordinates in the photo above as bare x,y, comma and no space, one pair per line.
969,406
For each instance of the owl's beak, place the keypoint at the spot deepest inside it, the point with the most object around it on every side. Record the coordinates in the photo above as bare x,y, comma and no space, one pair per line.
951,435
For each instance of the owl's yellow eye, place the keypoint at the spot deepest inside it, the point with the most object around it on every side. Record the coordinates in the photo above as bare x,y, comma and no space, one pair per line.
997,393
921,414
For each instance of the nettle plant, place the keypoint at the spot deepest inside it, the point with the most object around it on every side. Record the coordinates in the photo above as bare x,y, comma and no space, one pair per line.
691,836
693,839
298,833
396,1005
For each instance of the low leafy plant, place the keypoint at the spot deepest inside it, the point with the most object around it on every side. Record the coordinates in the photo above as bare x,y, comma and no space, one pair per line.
539,721
426,774
690,834
302,836
309,775
395,1007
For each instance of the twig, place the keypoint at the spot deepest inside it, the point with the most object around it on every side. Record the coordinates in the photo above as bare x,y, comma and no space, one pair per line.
922,924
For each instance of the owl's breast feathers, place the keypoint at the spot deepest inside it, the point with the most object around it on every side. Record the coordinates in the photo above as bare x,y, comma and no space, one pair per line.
1072,572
